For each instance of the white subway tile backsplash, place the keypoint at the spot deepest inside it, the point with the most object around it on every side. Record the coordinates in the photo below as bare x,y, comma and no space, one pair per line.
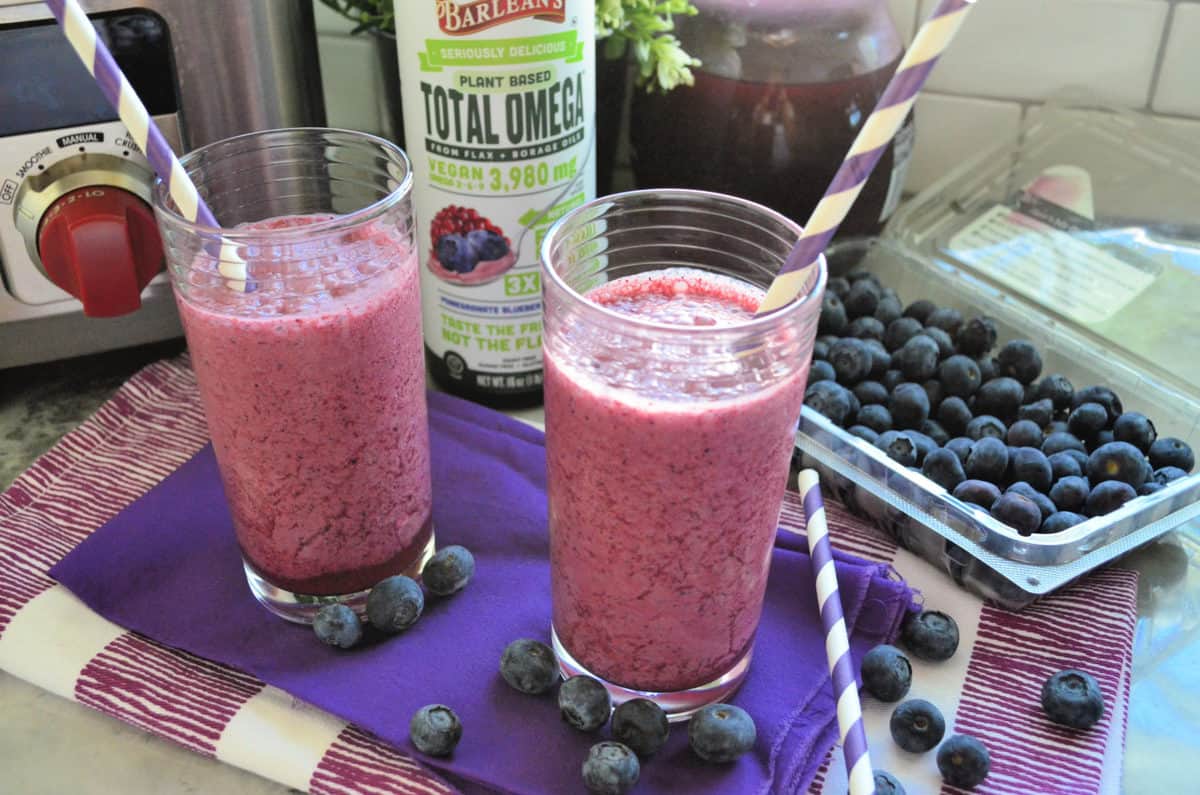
904,14
1030,49
952,129
1179,81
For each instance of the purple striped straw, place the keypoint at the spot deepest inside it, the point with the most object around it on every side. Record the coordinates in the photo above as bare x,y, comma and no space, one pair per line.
875,136
120,94
837,641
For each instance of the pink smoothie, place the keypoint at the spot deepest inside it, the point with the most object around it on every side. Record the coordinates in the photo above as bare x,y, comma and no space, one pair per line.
663,507
315,397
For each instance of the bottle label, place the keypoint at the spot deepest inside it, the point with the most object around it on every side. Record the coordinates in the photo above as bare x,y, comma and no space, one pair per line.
499,117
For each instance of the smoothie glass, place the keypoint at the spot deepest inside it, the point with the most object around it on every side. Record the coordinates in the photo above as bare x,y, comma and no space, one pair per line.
310,367
669,434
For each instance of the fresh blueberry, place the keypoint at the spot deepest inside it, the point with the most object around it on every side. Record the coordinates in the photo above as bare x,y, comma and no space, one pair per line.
1030,465
870,392
985,426
395,604
899,447
435,730
1044,503
960,375
887,784
888,309
976,337
1117,461
1072,698
865,327
988,460
1059,440
1056,426
584,703
1136,429
1099,440
337,625
1065,465
942,338
858,274
935,392
1058,390
900,331
909,406
954,415
1020,360
1164,475
917,726
1018,512
920,310
978,492
987,368
820,349
1001,397
963,761
1108,496
930,635
864,433
1102,395
449,570
830,399
642,725
1025,433
1030,394
891,379
839,286
943,468
918,358
1171,452
833,318
529,666
1149,487
851,360
1039,412
821,371
960,446
925,444
610,769
875,417
456,254
721,733
862,299
886,673
881,360
828,340
1070,493
934,430
946,318
1087,420
488,244
1061,520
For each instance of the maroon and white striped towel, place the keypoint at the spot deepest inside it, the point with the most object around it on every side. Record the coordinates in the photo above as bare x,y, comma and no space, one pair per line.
154,424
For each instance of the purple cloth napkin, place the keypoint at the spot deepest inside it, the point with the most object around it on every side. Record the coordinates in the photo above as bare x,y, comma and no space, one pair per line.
169,568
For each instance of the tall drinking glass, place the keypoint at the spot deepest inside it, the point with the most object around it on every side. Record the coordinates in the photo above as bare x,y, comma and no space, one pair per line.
671,412
310,367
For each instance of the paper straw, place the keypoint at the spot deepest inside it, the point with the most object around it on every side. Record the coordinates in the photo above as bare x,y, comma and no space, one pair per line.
837,642
120,94
875,136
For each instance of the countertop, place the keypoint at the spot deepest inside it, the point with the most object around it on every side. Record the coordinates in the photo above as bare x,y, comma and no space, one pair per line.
50,745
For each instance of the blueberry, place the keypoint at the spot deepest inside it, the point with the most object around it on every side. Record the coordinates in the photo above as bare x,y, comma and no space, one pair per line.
435,730
1030,465
1102,395
977,492
930,635
946,318
862,299
610,769
888,309
721,733
821,371
851,360
839,286
1164,475
863,432
1058,390
1020,360
833,318
1099,440
865,327
1080,457
1044,503
456,254
1136,429
875,417
934,391
963,761
1171,452
1061,520
899,447
1058,441
918,358
395,604
881,360
891,379
1108,496
1039,412
976,337
887,784
1070,493
1030,393
1087,420
925,444
1001,397
337,625
830,399
954,415
1072,698
987,368
917,726
642,725
869,392
1018,511
529,666
1117,461
828,340
449,570
960,375
900,331
1025,433
909,406
986,426
820,349
1064,465
886,673
488,244
920,310
584,703
1149,487
944,342
1056,426
858,274
988,460
943,468
934,430
960,446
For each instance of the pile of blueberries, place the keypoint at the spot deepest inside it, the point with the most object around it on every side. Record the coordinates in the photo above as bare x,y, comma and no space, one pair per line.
921,383
1070,698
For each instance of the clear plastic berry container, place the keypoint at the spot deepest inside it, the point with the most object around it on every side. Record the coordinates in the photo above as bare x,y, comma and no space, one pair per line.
1085,240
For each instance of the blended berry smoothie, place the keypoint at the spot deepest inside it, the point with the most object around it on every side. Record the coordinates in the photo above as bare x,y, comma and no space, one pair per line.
664,496
313,386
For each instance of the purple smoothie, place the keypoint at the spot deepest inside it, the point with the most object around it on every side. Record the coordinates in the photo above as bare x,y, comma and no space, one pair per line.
664,505
315,397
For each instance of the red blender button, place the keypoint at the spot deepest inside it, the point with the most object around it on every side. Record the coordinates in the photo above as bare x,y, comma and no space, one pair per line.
101,245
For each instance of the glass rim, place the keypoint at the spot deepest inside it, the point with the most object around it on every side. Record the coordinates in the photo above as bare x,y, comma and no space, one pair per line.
163,203
756,323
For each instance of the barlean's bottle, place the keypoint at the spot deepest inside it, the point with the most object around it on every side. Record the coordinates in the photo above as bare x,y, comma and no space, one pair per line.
498,100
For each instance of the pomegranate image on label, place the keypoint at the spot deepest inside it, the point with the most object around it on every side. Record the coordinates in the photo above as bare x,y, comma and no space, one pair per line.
468,248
